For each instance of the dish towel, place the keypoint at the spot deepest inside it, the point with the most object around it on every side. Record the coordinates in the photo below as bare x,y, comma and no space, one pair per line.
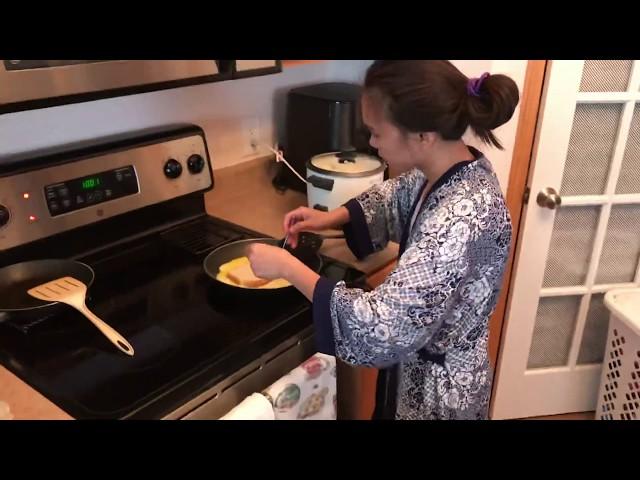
254,407
308,392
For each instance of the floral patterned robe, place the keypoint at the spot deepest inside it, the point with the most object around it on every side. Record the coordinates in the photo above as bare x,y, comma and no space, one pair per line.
426,326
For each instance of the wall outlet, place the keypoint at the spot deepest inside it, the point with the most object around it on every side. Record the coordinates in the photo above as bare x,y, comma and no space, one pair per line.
251,127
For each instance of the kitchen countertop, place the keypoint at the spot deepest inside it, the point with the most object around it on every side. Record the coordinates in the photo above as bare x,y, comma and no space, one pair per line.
26,403
243,195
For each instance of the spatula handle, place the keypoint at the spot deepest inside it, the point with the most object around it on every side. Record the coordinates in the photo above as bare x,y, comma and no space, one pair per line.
115,338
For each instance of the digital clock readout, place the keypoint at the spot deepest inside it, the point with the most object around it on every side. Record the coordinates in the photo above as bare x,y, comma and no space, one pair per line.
90,183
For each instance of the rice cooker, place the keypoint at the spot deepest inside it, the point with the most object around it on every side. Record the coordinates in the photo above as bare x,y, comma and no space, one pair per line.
335,178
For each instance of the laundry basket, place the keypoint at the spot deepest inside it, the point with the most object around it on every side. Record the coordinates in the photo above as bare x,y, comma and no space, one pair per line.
619,394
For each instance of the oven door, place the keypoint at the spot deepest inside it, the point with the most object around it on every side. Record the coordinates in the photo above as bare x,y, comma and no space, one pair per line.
218,400
27,84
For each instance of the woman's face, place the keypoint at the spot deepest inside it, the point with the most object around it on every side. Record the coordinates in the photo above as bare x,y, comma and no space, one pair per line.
395,146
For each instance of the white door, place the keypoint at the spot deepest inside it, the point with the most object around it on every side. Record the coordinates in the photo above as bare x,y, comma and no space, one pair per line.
588,151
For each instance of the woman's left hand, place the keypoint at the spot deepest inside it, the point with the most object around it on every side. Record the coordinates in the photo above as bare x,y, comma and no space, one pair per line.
269,262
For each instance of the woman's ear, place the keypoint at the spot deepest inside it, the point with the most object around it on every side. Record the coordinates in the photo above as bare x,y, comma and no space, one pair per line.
427,139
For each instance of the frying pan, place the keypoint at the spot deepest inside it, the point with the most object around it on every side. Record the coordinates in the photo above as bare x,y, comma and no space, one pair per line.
16,279
230,251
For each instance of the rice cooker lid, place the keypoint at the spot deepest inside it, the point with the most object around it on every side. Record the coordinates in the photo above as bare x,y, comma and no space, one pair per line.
347,164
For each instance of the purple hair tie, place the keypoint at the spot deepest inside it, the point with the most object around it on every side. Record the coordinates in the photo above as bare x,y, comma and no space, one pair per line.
474,84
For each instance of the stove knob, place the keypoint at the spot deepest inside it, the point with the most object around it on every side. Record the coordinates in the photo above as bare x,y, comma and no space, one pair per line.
172,169
4,215
195,163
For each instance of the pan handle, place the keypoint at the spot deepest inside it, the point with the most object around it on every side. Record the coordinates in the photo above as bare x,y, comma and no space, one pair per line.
115,338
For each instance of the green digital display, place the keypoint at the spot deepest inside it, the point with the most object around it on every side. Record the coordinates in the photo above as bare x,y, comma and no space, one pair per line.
90,183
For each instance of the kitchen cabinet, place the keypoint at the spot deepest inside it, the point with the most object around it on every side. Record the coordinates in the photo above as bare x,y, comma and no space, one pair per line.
295,63
254,68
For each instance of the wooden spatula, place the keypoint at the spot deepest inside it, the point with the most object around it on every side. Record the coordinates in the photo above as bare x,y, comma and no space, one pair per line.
73,292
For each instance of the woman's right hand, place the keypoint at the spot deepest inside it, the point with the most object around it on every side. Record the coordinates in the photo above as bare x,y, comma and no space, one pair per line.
304,218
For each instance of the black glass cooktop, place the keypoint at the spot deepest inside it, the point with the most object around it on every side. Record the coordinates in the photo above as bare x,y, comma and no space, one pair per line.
186,336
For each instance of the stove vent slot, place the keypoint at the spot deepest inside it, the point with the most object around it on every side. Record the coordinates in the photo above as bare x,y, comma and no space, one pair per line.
200,236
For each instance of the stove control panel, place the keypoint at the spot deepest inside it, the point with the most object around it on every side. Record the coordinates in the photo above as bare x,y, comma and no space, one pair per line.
81,188
79,193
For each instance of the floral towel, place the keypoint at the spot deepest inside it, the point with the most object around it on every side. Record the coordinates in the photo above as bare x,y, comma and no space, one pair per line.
308,392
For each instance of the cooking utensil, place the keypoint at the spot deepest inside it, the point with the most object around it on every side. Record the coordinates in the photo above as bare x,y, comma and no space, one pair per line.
72,292
16,279
232,250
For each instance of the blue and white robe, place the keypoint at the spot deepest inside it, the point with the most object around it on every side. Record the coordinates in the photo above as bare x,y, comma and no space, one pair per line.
426,326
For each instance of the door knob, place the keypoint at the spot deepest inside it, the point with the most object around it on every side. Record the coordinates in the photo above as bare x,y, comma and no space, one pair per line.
549,198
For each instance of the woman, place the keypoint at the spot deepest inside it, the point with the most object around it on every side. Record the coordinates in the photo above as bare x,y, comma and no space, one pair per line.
426,326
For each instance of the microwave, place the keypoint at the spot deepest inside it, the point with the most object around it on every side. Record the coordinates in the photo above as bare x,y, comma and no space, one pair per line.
30,84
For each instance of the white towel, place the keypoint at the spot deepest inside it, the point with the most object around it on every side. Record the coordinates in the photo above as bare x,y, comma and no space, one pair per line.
254,407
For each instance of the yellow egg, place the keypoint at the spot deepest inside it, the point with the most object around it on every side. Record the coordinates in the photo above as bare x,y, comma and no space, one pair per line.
238,262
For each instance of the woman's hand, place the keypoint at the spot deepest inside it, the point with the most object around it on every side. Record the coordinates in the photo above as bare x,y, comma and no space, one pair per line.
269,262
310,219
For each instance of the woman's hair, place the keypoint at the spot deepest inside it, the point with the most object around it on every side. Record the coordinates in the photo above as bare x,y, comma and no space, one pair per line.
434,96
